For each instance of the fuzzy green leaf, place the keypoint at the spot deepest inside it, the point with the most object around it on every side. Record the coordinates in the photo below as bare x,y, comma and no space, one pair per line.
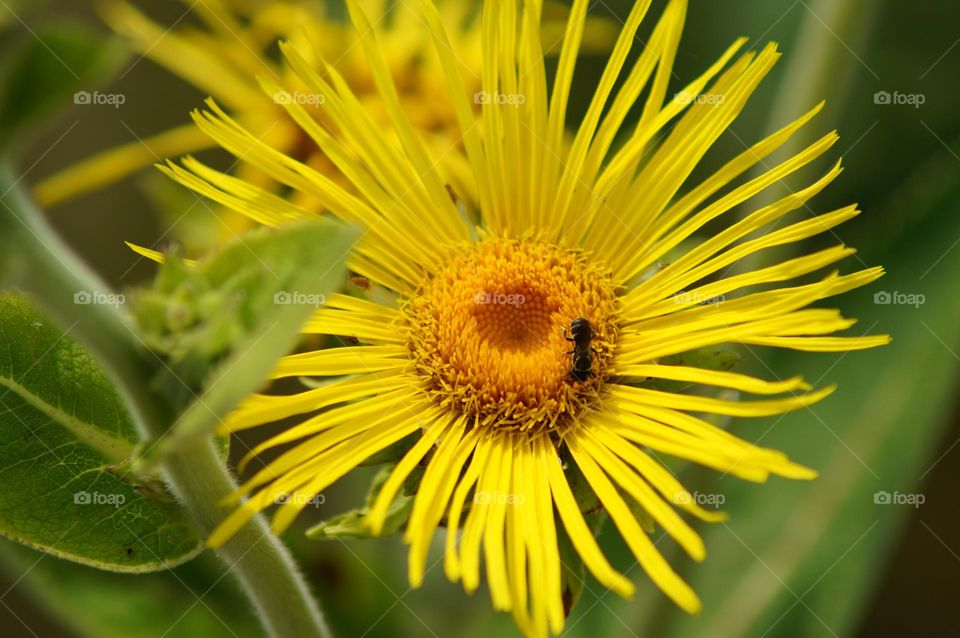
51,68
352,524
97,604
222,323
66,439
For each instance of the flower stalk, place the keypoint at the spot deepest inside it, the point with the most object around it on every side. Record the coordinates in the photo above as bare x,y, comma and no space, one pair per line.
35,259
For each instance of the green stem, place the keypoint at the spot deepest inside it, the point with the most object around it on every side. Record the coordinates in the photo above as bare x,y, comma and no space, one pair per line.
34,258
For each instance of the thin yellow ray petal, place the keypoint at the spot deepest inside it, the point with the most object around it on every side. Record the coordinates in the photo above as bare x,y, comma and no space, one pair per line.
577,529
719,378
752,307
733,169
494,528
572,176
112,165
452,564
196,65
362,410
261,408
661,178
643,494
654,472
713,253
643,549
775,273
336,431
458,95
821,344
672,164
724,204
543,538
640,349
149,253
259,211
518,556
389,489
475,526
693,403
433,497
342,361
330,469
347,323
561,87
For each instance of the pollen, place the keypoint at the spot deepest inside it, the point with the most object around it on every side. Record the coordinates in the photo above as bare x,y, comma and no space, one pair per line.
489,333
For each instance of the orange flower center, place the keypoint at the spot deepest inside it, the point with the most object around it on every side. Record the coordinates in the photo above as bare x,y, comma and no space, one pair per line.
488,333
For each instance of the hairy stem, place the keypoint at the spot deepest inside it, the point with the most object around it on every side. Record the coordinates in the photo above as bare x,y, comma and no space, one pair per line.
35,259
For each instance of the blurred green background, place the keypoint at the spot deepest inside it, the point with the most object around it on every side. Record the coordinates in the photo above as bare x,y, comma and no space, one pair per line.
820,559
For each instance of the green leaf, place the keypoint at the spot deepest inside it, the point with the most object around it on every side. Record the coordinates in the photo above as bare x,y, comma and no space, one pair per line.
99,604
48,69
801,559
223,323
351,524
66,438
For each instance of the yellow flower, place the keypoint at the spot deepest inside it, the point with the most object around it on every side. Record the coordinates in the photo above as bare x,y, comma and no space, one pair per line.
469,348
235,44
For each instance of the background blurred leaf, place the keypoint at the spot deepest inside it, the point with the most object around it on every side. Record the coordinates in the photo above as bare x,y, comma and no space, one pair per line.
801,559
192,600
10,11
223,323
45,70
66,436
352,523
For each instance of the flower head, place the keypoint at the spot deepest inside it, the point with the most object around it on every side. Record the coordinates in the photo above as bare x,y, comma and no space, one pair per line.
463,337
221,47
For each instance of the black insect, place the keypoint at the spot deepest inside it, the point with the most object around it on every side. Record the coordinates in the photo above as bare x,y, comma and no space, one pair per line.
580,334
